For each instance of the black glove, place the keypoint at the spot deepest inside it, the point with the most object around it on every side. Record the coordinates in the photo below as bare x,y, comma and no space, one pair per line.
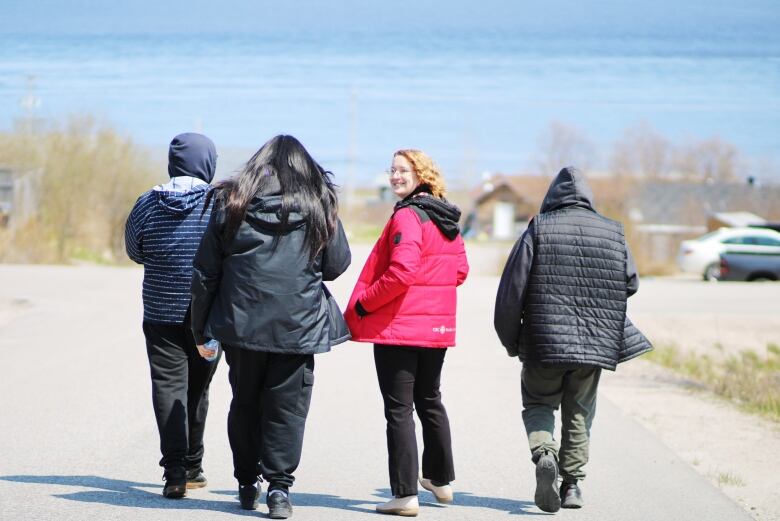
361,311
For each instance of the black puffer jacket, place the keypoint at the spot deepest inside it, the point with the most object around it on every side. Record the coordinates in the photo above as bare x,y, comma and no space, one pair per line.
259,292
562,296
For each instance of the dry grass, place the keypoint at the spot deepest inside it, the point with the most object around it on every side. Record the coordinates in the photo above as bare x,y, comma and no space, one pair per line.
84,181
728,479
748,379
655,269
363,233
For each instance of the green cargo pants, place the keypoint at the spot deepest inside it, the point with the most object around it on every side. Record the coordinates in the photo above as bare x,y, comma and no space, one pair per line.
544,389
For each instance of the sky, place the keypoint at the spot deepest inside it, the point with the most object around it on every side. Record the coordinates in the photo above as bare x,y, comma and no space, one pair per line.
612,21
619,17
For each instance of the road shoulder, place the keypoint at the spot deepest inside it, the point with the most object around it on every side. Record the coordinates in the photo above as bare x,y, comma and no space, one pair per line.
738,452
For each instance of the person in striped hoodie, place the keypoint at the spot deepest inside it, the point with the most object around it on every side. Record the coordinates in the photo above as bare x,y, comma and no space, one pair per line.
163,232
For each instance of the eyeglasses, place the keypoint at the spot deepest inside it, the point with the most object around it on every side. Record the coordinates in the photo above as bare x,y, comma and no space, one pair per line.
392,171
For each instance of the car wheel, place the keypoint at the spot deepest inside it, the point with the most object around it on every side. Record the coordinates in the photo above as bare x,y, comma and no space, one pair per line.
761,277
712,272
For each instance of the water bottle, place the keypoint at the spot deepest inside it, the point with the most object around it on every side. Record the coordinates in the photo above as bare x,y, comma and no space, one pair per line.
212,345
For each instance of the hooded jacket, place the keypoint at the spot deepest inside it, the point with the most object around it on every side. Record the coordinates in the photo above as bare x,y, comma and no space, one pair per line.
165,225
406,293
258,291
192,155
562,295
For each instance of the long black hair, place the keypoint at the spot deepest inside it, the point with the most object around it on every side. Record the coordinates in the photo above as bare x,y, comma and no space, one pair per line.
306,188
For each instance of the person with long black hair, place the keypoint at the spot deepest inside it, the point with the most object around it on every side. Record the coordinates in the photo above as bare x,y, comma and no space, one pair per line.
273,238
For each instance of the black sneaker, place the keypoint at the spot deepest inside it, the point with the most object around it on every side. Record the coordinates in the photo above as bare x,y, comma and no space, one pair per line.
571,496
175,483
279,506
546,496
249,496
196,479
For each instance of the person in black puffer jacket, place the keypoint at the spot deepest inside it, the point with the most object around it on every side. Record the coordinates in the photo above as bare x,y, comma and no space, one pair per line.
561,307
257,288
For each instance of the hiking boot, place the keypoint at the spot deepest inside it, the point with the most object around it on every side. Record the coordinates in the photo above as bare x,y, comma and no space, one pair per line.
175,483
546,496
196,479
249,496
443,493
279,506
571,496
406,506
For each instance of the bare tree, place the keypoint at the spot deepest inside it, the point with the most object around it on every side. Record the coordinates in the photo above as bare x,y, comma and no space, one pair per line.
710,160
563,145
641,152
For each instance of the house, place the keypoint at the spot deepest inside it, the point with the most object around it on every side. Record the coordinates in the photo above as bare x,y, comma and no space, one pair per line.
664,213
503,205
6,195
658,215
733,220
17,195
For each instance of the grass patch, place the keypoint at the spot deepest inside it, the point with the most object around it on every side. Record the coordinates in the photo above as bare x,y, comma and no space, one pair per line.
729,479
74,185
358,233
748,379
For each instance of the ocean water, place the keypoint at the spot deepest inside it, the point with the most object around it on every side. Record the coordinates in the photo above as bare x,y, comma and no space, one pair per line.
475,100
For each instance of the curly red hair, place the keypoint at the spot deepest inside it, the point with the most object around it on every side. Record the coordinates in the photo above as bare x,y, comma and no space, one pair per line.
426,169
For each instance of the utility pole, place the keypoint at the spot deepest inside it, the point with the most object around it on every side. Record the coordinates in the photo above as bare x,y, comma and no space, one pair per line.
349,192
29,103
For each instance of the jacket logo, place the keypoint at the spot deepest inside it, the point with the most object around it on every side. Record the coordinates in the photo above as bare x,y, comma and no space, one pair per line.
442,329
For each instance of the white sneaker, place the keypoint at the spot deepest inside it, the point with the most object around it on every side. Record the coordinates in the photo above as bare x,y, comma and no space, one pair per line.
442,494
400,506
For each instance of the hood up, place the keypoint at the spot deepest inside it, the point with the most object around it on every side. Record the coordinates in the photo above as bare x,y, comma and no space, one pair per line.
182,202
568,190
192,155
443,214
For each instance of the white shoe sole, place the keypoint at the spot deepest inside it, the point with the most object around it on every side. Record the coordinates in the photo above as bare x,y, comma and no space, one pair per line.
409,512
441,499
405,512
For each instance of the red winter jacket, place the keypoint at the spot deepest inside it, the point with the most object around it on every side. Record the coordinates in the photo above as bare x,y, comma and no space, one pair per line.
408,285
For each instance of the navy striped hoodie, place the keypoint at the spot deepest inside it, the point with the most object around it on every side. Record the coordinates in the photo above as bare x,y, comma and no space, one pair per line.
165,226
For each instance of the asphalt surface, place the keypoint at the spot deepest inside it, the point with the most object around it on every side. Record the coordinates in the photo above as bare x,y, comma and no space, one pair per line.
79,440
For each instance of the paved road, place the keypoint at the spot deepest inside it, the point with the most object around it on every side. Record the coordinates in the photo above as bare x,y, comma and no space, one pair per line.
79,439
709,317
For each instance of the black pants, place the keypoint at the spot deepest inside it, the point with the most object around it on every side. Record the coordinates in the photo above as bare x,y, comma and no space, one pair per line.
180,393
271,397
409,377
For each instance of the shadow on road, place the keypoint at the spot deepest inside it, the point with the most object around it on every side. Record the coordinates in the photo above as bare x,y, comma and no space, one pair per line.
305,499
131,494
467,499
125,494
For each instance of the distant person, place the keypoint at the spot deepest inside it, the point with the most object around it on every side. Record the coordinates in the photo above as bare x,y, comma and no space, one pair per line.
273,238
561,307
404,303
162,233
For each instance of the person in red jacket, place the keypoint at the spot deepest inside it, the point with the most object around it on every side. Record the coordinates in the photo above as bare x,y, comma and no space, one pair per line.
404,303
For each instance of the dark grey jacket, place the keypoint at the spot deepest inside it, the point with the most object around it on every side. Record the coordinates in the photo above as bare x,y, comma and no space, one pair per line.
259,292
561,299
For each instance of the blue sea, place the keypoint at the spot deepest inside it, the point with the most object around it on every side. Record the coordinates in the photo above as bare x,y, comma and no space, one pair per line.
476,96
